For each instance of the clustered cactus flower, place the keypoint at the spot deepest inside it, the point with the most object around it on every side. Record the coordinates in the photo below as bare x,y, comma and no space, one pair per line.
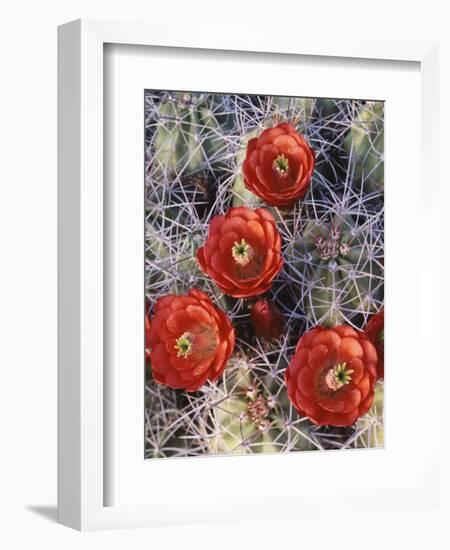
264,236
242,253
331,378
278,165
190,339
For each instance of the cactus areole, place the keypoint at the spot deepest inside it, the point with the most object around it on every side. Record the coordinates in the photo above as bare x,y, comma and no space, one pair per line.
341,267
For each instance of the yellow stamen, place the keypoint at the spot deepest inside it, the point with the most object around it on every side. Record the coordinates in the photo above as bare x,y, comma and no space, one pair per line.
281,165
338,376
241,252
184,345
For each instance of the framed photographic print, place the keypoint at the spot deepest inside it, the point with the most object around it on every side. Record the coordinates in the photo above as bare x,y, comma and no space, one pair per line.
230,248
264,220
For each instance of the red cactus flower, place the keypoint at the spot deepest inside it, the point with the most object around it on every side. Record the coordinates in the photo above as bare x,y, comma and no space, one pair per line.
268,322
332,376
242,252
147,337
278,165
191,340
375,333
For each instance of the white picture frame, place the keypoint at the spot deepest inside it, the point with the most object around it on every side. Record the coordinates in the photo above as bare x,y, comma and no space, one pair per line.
82,483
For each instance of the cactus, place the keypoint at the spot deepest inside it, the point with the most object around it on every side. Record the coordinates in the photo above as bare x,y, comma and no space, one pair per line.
297,110
251,417
370,428
241,195
164,428
193,172
248,411
189,137
364,144
338,269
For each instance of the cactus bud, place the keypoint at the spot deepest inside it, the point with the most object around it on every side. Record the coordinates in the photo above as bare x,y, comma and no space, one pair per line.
268,322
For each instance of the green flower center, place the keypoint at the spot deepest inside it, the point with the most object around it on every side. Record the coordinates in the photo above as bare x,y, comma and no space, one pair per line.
281,165
241,252
381,336
184,345
338,376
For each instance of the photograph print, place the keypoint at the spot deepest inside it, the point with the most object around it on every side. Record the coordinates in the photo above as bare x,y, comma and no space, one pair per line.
264,274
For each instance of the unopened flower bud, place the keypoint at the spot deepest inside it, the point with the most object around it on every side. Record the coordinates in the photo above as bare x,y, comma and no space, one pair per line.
268,322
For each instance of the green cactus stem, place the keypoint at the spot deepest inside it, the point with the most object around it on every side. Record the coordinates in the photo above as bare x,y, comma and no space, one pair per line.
339,270
190,135
364,144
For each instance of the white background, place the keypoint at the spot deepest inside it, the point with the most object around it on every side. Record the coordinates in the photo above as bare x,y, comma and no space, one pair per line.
28,269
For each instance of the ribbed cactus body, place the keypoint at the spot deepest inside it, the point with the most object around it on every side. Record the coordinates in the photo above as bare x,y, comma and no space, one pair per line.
339,270
241,195
371,426
190,135
252,417
364,144
295,110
